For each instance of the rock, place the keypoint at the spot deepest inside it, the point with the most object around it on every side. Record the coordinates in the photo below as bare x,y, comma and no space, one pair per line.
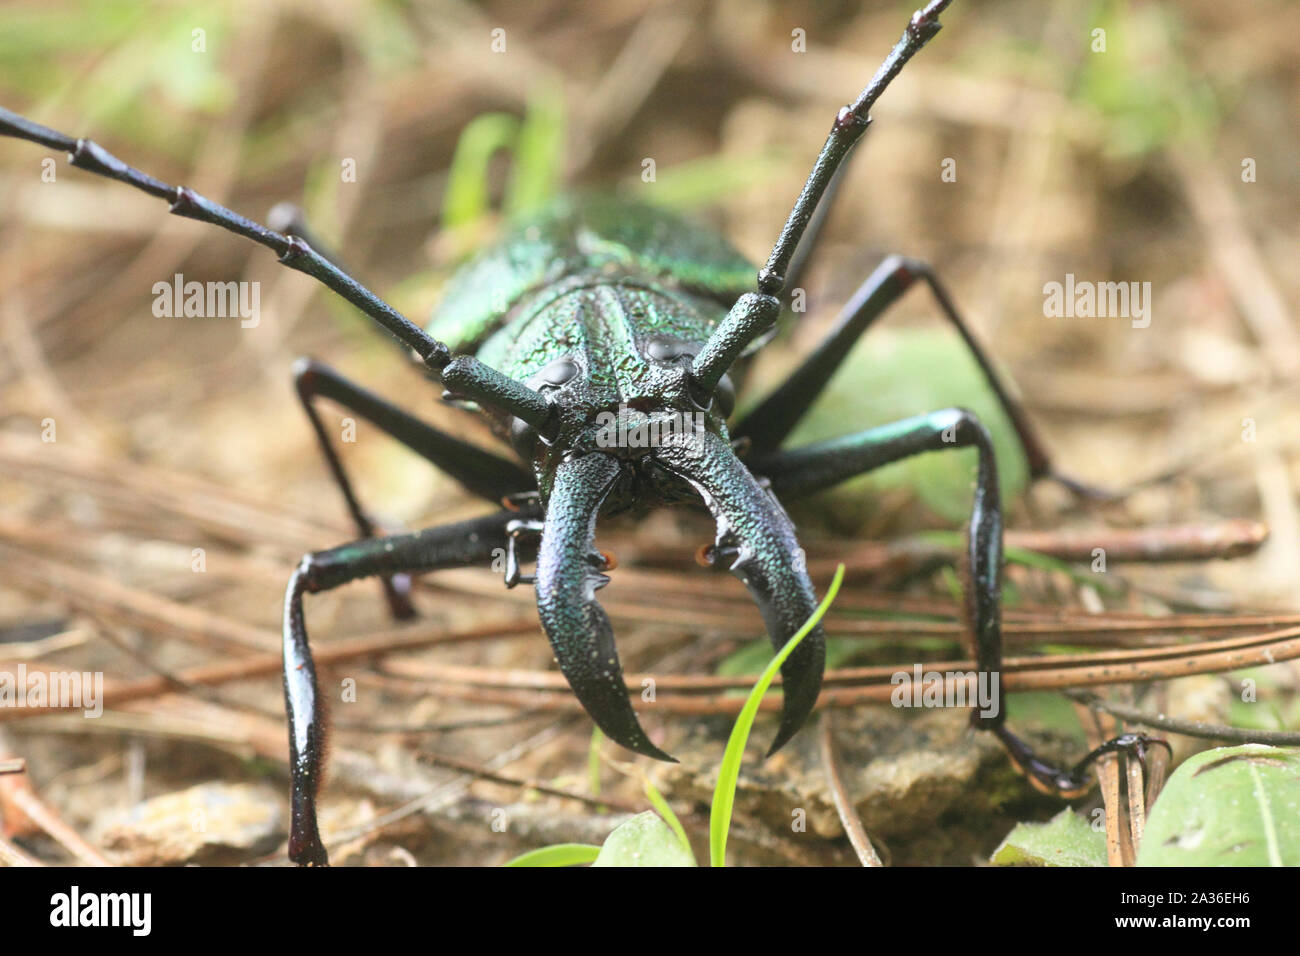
213,824
914,777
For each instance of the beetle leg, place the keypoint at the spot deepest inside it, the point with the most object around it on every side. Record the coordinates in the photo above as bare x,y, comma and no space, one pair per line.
449,546
1074,782
802,471
768,424
476,470
516,529
532,528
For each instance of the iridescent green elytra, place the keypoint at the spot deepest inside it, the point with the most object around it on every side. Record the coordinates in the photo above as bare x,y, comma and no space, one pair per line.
504,305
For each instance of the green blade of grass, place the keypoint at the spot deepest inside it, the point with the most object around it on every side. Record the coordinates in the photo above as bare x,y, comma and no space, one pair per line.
661,806
466,197
539,154
724,795
561,854
593,761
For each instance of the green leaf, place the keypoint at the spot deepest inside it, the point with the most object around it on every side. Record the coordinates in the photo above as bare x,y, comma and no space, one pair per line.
466,198
1065,840
539,154
644,840
896,374
560,854
724,794
1233,806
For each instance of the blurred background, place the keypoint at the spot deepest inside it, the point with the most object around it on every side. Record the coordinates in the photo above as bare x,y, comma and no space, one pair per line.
158,480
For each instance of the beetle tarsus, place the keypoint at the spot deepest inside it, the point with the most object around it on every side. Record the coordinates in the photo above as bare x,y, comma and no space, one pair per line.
1076,781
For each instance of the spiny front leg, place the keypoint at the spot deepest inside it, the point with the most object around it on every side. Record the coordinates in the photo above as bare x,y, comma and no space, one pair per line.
455,545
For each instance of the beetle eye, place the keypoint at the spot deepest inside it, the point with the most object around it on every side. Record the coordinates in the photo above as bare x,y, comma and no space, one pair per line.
559,372
663,350
555,375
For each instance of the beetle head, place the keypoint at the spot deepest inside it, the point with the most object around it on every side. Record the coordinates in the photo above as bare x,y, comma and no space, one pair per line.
625,409
666,436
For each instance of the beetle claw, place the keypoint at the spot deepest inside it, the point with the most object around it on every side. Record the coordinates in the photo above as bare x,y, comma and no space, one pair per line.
756,542
577,626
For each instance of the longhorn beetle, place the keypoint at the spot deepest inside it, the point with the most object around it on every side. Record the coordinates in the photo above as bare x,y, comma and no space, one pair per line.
599,316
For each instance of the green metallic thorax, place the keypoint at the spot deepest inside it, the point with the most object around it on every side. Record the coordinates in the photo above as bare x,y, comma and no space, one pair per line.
592,278
610,301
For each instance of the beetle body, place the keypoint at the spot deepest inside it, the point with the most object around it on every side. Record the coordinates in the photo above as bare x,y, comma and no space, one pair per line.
597,339
602,307
609,301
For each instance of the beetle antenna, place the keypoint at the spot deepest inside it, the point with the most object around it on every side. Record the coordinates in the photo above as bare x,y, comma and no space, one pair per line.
753,315
463,375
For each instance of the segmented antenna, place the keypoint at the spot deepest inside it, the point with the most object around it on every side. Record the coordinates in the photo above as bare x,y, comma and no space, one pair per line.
752,315
469,377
